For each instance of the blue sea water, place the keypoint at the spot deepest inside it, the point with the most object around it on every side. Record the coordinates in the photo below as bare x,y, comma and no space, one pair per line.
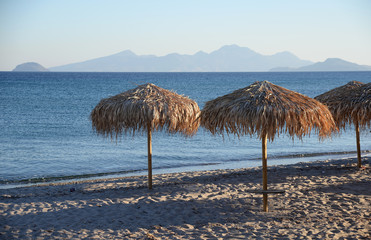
46,133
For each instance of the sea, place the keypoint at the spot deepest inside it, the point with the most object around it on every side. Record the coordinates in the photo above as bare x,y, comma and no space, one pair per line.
46,134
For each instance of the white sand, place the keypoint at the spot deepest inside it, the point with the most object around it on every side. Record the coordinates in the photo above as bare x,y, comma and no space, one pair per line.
323,200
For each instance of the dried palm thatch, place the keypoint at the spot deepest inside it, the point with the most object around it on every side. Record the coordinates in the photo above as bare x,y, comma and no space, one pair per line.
133,110
340,102
350,103
146,108
266,109
360,100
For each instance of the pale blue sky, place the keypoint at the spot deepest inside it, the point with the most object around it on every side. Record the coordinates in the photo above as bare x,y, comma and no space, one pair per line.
54,33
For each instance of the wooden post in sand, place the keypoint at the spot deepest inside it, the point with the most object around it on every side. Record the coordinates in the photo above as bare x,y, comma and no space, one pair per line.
149,155
265,178
358,145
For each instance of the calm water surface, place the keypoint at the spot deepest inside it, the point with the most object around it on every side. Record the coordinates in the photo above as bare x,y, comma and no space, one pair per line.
45,131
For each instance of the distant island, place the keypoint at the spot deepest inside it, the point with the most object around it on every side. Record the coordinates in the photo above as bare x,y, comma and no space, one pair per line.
30,67
331,64
230,58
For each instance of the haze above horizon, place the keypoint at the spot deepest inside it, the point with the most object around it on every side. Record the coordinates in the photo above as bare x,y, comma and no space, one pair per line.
55,33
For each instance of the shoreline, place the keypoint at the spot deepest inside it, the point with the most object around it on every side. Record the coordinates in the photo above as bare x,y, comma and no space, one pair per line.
328,199
229,164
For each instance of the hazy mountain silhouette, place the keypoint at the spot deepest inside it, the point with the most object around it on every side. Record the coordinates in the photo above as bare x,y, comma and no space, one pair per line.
230,58
331,64
29,67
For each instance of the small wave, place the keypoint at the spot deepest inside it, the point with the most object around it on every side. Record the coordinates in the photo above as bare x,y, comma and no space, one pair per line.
92,175
307,155
61,178
33,181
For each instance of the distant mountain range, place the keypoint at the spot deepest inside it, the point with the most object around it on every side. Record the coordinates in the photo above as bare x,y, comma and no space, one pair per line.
230,58
331,64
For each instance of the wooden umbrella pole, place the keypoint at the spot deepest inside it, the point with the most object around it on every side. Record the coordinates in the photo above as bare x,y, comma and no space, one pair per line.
265,177
358,145
149,156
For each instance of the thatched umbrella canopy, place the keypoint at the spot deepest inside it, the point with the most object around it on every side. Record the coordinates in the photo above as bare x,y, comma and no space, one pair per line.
362,105
266,109
350,103
144,109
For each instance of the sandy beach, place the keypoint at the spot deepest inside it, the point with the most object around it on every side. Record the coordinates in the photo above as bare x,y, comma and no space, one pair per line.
322,200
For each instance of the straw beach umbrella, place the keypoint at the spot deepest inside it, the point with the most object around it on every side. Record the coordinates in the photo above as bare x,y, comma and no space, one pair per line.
350,103
145,109
266,109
